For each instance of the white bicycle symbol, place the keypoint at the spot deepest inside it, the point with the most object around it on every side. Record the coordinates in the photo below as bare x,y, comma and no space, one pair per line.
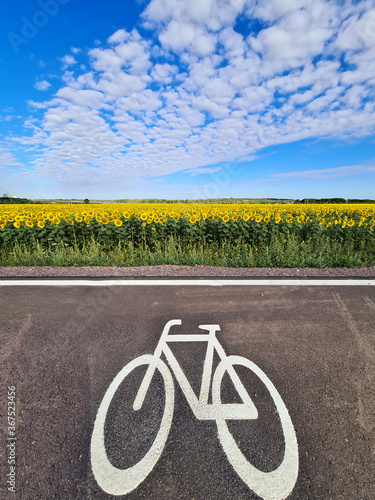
274,485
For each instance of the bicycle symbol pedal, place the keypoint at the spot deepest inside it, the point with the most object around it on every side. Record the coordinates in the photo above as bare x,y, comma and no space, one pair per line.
273,485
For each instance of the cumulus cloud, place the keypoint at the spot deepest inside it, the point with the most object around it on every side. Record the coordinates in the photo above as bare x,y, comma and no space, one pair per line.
201,92
68,61
163,73
213,13
42,85
179,36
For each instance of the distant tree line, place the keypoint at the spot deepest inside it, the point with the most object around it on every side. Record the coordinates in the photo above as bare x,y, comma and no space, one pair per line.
7,200
208,200
354,200
333,200
149,200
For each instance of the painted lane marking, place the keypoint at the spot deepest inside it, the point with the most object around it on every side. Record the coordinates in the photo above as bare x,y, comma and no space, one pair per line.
193,282
273,485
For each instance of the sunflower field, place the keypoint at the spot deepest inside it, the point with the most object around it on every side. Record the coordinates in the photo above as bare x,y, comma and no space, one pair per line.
152,225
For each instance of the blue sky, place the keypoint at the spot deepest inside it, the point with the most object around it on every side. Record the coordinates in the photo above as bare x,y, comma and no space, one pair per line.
187,98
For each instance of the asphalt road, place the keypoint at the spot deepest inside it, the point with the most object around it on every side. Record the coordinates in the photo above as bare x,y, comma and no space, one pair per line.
62,347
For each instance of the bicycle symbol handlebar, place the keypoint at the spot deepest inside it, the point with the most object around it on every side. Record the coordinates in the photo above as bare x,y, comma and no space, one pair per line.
274,485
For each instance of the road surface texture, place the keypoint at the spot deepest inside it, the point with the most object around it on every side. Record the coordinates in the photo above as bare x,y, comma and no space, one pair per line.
63,345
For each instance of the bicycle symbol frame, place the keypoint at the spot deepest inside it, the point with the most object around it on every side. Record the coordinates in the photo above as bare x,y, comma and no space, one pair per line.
273,485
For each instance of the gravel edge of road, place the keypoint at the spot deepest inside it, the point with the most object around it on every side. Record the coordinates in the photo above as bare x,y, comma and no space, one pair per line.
176,271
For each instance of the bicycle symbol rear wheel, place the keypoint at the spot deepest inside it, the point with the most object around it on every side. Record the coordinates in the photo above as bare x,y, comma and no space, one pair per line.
116,481
274,485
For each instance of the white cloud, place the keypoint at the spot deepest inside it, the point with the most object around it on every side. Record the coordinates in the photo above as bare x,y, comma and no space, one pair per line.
253,99
219,91
42,85
106,60
163,72
290,45
323,101
357,32
206,93
119,85
364,63
213,13
7,158
272,10
192,25
179,36
68,61
136,103
327,173
199,171
84,98
205,104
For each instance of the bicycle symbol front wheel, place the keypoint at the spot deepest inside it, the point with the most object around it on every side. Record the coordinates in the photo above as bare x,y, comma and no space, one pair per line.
122,481
274,485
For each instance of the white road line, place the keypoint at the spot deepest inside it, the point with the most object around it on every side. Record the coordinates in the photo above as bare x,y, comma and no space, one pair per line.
194,282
